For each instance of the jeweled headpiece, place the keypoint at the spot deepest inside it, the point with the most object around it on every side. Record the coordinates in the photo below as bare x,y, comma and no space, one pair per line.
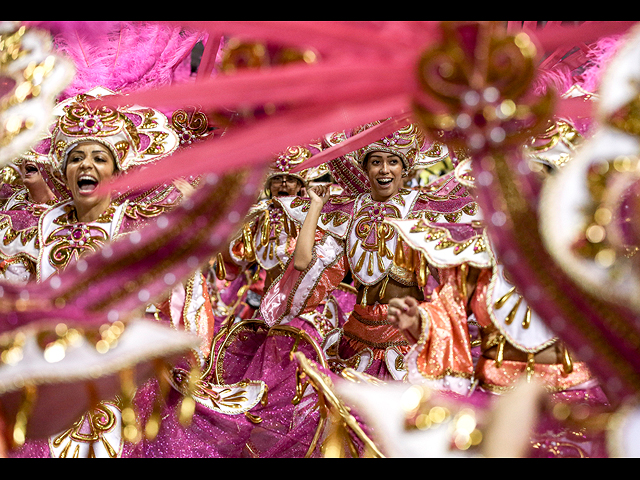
292,157
135,135
406,142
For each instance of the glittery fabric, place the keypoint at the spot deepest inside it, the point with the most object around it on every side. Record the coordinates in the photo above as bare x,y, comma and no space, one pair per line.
34,448
285,429
505,376
553,438
447,348
288,426
207,436
368,327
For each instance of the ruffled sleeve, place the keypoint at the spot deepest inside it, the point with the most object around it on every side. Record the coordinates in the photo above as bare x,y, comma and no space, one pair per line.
296,292
442,356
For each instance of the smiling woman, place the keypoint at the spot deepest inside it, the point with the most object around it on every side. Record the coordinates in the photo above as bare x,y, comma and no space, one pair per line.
89,146
88,166
385,172
346,232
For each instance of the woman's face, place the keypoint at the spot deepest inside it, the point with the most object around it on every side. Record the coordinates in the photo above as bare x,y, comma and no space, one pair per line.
89,166
30,173
384,171
285,185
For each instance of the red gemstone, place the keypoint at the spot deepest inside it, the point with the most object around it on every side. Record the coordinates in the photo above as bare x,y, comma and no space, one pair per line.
468,38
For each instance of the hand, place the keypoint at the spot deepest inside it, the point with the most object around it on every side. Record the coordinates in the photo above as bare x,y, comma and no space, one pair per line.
320,193
403,314
185,187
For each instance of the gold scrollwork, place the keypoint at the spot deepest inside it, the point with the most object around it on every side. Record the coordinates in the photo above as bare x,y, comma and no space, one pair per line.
480,72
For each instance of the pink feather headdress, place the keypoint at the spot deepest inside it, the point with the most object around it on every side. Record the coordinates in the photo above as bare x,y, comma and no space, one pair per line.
123,56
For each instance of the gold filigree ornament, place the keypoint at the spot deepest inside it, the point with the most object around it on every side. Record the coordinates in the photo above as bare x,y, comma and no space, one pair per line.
481,74
135,135
31,76
191,125
556,146
230,399
98,428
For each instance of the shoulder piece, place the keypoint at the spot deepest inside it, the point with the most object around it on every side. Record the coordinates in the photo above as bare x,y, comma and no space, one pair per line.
513,317
336,214
446,245
18,234
334,217
295,208
454,206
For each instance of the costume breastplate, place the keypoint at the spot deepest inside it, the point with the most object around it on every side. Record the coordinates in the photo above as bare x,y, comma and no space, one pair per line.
508,311
63,238
371,243
18,234
274,231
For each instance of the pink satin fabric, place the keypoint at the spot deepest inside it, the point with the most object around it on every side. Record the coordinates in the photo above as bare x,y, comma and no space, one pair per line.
504,377
276,302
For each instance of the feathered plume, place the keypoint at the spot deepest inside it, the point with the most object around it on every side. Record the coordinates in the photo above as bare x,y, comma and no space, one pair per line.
123,56
599,54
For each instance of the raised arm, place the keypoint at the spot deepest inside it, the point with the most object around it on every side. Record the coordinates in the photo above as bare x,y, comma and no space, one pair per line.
304,245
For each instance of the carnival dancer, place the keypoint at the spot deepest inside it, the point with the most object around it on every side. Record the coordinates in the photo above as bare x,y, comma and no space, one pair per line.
345,233
514,342
92,145
253,349
264,245
34,381
39,190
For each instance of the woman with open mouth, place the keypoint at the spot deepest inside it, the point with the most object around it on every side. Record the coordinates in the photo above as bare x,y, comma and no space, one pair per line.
39,191
342,233
21,210
265,243
91,146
